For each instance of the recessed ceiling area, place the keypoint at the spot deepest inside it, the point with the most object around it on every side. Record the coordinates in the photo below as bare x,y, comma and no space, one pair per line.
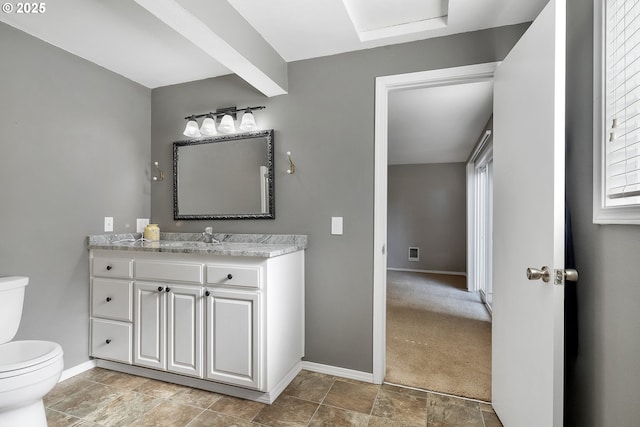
437,124
377,19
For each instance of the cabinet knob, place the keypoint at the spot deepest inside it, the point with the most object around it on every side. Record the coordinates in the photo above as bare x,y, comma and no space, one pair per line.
108,341
207,293
168,289
160,288
109,267
229,276
108,299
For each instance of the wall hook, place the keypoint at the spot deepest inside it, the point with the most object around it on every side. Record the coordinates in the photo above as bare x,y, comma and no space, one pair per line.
292,166
160,173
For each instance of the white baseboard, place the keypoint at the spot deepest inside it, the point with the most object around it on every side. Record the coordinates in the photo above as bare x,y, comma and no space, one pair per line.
338,372
78,369
451,273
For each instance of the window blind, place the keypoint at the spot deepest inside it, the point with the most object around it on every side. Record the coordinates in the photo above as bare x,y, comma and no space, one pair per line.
622,108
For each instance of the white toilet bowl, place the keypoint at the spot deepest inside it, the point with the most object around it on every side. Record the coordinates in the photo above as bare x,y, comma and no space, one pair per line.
28,371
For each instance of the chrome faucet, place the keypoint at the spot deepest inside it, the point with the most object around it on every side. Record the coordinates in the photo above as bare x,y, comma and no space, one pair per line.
208,235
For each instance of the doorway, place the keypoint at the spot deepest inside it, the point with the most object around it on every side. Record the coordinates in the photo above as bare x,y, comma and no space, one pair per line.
385,85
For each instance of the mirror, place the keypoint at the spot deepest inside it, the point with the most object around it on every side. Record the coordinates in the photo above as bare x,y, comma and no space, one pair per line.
224,177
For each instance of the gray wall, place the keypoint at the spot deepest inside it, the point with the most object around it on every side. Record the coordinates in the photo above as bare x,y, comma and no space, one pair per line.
327,122
75,148
603,383
427,208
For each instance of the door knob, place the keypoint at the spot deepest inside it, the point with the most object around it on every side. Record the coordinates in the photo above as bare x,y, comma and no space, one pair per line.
535,274
571,275
568,275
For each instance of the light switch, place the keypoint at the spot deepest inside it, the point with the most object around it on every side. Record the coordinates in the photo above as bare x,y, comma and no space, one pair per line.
336,225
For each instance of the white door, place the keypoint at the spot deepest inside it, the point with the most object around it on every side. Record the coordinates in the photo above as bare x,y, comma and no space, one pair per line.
529,162
184,330
149,320
232,338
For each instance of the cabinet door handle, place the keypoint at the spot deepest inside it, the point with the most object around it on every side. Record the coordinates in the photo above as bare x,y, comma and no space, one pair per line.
229,276
109,267
207,293
160,288
108,299
168,289
108,341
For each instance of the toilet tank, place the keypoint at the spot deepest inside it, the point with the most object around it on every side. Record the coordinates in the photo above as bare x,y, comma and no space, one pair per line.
11,300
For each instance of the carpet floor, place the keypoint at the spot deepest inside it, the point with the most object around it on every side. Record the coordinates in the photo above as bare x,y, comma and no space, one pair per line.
438,335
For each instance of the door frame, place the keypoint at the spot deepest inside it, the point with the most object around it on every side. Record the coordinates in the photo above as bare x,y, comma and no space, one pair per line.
384,85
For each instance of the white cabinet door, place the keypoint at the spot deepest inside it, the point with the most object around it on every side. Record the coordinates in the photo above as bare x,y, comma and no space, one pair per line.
149,324
233,338
184,330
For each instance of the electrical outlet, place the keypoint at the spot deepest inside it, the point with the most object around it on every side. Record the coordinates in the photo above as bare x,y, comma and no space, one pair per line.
141,223
108,223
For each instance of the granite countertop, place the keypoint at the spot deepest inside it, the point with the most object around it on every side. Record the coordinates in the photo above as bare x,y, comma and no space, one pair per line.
249,245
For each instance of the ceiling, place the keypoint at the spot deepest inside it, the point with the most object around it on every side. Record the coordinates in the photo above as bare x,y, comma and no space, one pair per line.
163,42
437,124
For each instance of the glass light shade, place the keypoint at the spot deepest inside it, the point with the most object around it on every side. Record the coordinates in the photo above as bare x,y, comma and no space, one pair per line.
208,127
248,122
192,130
227,125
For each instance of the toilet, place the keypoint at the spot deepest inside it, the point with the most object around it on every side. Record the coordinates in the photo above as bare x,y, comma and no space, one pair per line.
28,369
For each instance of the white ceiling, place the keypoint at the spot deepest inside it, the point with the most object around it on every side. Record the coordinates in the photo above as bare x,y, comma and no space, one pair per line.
162,42
437,124
302,29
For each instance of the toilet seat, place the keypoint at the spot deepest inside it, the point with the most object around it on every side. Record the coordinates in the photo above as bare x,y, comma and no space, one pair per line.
22,357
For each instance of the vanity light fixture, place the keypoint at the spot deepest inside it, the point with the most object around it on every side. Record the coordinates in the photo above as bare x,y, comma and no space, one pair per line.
227,123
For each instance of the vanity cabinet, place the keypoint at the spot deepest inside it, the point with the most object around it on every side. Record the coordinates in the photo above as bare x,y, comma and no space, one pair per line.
168,327
230,324
233,337
111,308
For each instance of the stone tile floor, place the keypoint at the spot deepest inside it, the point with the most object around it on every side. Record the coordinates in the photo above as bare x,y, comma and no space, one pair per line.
101,397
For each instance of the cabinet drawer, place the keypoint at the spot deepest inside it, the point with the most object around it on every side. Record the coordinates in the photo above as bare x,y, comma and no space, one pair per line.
113,267
233,275
112,299
111,340
169,271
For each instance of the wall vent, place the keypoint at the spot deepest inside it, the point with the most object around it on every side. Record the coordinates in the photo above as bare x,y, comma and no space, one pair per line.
414,254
